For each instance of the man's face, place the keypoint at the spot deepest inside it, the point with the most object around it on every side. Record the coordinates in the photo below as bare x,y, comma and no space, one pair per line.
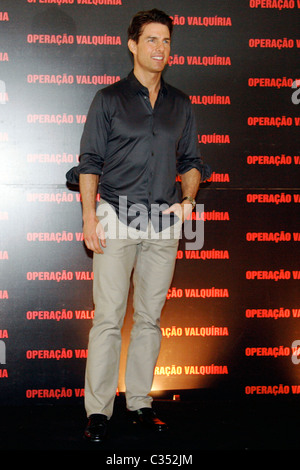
152,50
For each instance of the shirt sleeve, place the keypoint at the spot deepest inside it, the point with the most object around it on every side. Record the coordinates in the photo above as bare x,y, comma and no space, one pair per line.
188,153
93,141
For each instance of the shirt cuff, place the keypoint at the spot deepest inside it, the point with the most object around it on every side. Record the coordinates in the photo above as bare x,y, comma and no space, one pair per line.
87,165
204,169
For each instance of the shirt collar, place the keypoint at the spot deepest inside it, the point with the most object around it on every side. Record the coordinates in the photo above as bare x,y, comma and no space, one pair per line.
136,86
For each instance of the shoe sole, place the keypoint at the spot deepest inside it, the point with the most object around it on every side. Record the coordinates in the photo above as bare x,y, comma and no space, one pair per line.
94,440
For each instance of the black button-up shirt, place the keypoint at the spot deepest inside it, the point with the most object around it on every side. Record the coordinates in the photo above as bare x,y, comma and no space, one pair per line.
138,150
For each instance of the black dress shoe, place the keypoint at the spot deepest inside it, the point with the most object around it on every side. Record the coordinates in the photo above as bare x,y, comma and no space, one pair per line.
96,428
147,418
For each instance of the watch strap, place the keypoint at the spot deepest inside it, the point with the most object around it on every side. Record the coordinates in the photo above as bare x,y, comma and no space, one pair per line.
190,199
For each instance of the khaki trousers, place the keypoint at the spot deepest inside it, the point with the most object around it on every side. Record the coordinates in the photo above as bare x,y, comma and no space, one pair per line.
152,262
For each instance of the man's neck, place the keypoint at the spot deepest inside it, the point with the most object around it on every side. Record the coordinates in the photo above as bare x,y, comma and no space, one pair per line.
148,80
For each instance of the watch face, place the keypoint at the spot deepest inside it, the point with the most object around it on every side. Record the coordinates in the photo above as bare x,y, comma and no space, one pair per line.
190,199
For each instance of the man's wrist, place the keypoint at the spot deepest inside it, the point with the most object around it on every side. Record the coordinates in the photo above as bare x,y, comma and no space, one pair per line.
89,216
190,200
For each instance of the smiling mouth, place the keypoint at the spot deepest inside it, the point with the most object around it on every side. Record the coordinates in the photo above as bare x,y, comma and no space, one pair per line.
157,57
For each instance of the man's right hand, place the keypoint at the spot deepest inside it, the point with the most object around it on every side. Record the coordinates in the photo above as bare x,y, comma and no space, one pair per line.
94,235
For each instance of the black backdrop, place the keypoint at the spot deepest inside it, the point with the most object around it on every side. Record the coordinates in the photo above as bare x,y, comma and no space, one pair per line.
231,320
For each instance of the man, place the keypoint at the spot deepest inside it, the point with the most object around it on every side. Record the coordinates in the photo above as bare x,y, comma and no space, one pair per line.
140,132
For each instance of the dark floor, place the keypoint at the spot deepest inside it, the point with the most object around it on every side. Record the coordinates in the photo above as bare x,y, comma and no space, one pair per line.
194,427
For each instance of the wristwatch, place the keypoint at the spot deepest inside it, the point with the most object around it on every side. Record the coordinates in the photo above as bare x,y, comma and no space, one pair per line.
191,200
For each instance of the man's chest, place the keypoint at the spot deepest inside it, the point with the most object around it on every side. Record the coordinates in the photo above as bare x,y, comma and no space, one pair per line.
136,118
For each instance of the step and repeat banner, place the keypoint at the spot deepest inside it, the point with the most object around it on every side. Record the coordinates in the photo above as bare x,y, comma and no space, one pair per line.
231,323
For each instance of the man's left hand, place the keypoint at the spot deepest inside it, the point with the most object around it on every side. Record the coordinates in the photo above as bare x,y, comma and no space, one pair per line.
182,210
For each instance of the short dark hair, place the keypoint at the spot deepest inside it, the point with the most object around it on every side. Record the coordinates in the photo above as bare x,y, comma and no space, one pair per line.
142,18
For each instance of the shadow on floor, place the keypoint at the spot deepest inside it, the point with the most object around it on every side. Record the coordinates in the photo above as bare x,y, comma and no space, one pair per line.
194,427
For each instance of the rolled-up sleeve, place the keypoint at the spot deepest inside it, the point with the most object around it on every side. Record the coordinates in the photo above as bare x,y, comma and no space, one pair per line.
188,152
93,141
